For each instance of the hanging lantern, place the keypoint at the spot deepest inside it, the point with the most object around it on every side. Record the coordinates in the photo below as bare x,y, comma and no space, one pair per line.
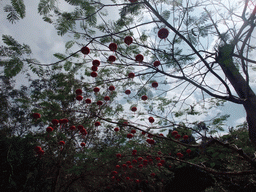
111,88
128,40
163,33
116,129
72,127
134,109
106,98
156,63
55,122
96,89
131,75
79,91
82,144
96,63
97,123
80,127
144,97
94,74
79,97
155,84
88,101
112,46
99,103
94,68
36,115
139,58
151,119
111,58
127,92
85,50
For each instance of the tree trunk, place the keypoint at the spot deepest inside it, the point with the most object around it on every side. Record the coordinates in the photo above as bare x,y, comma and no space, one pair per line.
241,87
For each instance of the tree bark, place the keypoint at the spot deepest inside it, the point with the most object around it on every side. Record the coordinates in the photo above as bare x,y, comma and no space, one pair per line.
241,87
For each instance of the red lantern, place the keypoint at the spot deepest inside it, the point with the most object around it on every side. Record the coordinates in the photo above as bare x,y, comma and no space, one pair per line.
155,84
36,115
129,136
144,97
79,97
140,166
99,103
72,127
112,58
106,98
118,155
185,137
139,58
83,131
134,151
127,92
128,162
157,63
161,135
151,119
131,75
188,151
180,155
96,89
159,153
96,63
159,164
85,50
114,172
80,127
130,167
94,74
134,161
65,121
82,144
117,166
128,40
97,123
145,162
133,131
88,101
177,136
111,88
162,161
94,68
163,33
79,91
174,133
37,148
116,129
55,122
62,143
112,46
140,159
49,129
134,109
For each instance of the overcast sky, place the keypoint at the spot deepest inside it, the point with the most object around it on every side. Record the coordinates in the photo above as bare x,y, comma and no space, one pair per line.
44,41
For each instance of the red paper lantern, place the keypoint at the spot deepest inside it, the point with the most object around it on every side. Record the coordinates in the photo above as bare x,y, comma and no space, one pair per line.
157,63
85,50
133,131
131,75
97,123
94,68
134,151
112,58
65,121
96,89
128,162
144,97
36,115
83,131
49,129
79,91
127,92
134,109
117,166
180,155
118,155
62,143
106,98
129,136
99,103
177,136
96,63
111,88
55,122
79,97
134,161
140,166
94,74
139,58
116,129
163,33
72,127
185,137
82,144
88,101
112,46
188,151
174,133
80,127
151,119
37,148
159,164
140,159
128,40
155,84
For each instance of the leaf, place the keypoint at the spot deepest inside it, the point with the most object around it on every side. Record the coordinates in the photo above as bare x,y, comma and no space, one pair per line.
19,7
47,19
69,44
13,67
59,56
67,65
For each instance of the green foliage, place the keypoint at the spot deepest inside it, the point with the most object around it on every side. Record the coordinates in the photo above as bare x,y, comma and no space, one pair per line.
12,67
19,7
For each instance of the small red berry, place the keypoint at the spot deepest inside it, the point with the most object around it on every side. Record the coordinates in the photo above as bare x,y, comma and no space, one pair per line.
97,123
37,148
99,103
36,115
143,133
83,131
118,155
62,143
140,166
79,97
112,58
153,174
154,84
159,153
94,74
94,68
128,162
106,98
114,172
79,91
131,75
96,63
134,151
140,159
129,135
96,89
163,33
64,121
174,133
180,155
133,131
127,178
72,127
151,119
162,161
116,129
159,164
134,109
134,161
188,151
55,122
80,127
177,136
85,50
161,134
185,137
82,144
145,162
117,166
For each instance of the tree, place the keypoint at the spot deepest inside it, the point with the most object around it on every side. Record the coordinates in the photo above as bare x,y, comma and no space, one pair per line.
182,55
